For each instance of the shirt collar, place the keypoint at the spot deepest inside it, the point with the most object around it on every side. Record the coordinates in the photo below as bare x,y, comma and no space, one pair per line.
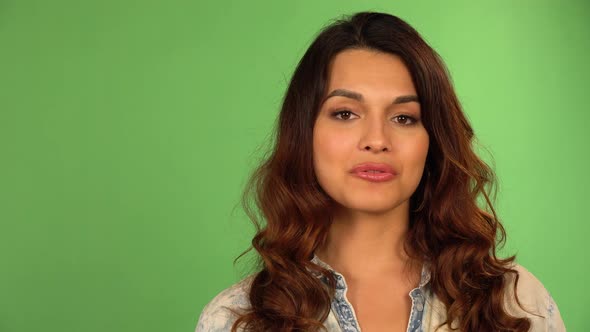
424,275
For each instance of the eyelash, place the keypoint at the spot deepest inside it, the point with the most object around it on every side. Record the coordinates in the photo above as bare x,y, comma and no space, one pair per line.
336,113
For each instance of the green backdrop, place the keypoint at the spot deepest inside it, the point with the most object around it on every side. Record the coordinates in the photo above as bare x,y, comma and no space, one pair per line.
127,130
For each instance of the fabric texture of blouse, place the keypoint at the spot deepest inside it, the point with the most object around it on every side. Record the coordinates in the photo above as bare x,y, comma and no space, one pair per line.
427,312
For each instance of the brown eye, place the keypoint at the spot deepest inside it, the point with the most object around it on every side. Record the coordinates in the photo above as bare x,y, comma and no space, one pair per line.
405,119
342,115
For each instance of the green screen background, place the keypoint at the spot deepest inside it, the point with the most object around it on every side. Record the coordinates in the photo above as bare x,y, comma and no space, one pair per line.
128,128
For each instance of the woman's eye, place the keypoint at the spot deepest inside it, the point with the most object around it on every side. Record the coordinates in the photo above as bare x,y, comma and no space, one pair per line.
405,119
342,115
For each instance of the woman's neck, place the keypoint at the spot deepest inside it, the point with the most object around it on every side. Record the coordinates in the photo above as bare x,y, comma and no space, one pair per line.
361,243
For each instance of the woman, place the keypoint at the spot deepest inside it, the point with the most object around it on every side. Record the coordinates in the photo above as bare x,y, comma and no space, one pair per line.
370,202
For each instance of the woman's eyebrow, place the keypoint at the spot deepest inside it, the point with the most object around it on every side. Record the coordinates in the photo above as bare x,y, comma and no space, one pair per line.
357,96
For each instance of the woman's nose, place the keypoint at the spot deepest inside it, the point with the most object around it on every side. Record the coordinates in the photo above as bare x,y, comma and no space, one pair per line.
375,138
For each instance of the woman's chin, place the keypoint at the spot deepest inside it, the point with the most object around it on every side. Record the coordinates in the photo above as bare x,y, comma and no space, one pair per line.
373,206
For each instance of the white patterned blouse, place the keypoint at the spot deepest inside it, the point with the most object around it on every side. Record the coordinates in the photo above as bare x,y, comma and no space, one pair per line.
426,314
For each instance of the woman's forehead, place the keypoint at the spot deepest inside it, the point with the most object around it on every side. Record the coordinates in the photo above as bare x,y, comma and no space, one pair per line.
364,75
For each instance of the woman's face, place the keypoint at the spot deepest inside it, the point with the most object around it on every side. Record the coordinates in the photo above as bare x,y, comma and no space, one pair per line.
370,115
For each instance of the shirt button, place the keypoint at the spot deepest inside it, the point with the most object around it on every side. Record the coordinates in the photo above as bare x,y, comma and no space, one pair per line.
419,306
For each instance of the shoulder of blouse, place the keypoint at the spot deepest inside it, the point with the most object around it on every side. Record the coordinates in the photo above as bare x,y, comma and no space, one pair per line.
535,298
217,316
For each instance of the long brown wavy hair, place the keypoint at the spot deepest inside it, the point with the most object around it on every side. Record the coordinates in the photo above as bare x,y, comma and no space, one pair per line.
292,213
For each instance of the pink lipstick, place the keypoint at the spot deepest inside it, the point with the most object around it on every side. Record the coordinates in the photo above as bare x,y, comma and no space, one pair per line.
374,172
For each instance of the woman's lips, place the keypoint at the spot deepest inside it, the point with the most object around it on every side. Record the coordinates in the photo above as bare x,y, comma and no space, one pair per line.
375,172
385,168
374,176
